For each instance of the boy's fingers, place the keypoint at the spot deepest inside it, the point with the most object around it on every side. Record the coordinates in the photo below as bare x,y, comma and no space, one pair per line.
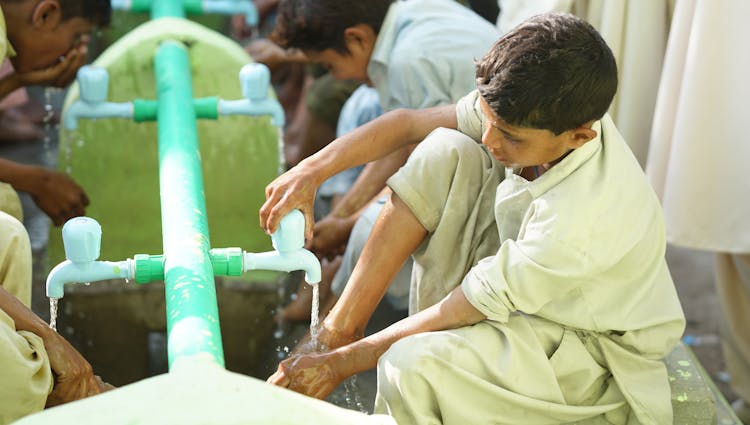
272,199
279,379
309,223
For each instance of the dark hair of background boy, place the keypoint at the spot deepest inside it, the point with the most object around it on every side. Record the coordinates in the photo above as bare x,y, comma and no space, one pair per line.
318,25
97,12
552,72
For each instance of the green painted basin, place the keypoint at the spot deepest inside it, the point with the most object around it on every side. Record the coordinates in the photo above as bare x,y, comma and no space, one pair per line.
115,160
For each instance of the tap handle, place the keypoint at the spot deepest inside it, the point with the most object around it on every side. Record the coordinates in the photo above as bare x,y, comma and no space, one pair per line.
290,236
93,83
255,80
82,238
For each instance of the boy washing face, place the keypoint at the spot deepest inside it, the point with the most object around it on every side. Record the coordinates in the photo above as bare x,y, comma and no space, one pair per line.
540,292
47,40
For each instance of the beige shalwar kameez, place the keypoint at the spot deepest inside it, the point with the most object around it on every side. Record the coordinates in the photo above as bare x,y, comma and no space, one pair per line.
25,374
569,271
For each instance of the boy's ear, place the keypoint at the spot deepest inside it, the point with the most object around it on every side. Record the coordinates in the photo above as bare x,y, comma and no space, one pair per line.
360,38
579,136
46,15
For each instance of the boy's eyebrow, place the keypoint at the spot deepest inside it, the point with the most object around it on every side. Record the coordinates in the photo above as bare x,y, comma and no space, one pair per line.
504,131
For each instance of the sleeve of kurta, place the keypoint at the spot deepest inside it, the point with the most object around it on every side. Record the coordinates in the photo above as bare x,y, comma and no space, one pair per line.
469,116
527,274
25,374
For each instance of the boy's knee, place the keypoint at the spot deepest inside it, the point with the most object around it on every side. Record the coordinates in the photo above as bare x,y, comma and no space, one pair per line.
413,356
448,142
12,231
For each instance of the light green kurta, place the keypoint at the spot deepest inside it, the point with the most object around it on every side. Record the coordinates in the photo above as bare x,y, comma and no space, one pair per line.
581,307
25,374
6,50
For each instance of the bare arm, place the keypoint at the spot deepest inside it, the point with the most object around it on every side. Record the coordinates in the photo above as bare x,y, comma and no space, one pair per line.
54,193
370,183
374,140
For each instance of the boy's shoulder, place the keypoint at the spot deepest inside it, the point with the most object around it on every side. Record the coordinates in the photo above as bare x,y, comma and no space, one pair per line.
604,198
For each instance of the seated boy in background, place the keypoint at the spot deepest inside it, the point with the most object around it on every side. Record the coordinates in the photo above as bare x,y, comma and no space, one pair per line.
540,291
46,40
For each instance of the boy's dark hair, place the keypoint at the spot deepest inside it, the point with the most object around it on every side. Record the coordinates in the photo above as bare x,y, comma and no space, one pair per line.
553,72
319,24
98,12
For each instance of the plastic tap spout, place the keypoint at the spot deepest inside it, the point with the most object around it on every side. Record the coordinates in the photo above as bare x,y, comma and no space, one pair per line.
301,259
82,109
262,107
79,272
255,82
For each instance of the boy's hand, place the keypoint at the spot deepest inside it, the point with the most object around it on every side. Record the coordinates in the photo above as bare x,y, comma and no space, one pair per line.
293,189
74,377
330,236
268,53
329,338
57,195
60,74
315,375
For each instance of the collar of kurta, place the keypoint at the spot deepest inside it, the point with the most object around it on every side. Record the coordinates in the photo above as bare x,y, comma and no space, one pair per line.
9,51
564,168
378,65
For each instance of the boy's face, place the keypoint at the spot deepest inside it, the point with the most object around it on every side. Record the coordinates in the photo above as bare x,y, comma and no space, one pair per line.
341,66
519,147
46,49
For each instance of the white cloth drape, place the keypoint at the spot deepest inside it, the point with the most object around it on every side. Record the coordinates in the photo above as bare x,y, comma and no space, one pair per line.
699,147
636,31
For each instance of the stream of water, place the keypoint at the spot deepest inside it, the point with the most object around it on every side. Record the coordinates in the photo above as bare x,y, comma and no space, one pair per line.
314,316
53,313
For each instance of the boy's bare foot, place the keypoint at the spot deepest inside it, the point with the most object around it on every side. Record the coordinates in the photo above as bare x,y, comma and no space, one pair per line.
299,309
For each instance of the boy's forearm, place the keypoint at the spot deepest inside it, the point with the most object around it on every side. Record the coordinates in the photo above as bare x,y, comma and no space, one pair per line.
378,139
15,174
370,183
453,311
24,318
9,84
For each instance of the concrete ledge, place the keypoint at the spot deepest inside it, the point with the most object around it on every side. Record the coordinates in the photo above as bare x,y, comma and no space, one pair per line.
695,398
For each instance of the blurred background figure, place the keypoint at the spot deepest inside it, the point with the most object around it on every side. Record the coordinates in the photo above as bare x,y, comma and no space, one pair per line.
698,156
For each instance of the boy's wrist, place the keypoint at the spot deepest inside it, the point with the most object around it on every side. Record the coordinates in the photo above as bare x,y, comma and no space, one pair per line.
10,83
25,178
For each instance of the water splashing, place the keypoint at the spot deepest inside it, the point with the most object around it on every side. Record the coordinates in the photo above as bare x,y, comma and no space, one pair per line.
278,333
282,158
49,114
351,397
314,316
53,313
71,137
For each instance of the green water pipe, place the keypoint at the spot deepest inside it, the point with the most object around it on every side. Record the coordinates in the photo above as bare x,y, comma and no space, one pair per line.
167,8
224,262
192,312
